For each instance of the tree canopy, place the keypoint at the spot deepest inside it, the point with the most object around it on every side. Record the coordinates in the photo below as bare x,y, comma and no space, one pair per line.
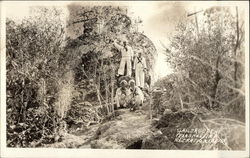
208,59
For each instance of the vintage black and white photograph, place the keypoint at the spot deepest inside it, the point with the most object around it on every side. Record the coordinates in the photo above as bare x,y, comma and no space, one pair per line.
125,75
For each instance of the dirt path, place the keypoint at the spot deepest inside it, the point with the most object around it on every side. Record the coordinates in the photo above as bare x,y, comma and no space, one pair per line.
124,130
134,130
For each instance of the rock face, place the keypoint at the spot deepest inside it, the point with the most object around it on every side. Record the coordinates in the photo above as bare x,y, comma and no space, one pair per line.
157,141
186,130
124,132
181,130
166,131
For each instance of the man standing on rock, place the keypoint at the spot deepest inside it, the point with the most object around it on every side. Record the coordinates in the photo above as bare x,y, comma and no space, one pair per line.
122,95
127,58
140,68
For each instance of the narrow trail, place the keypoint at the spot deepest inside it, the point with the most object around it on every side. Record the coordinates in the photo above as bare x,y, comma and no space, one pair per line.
123,131
134,130
118,133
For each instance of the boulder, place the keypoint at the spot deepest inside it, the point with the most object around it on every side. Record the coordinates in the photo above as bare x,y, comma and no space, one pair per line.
122,133
158,141
187,130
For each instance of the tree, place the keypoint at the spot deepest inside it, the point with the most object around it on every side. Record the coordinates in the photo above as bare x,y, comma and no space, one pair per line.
33,48
206,61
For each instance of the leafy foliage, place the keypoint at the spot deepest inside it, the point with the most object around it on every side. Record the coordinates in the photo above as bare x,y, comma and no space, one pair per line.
33,50
208,57
95,58
54,81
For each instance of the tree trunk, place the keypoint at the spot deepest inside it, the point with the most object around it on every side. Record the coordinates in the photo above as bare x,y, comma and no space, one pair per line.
112,95
112,89
235,49
180,101
98,90
150,106
197,27
106,94
179,88
217,79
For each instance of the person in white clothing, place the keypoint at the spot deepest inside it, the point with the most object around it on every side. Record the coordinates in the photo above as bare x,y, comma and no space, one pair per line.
122,95
140,68
136,96
127,58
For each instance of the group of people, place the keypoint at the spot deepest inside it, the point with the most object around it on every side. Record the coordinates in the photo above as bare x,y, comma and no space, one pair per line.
132,60
130,94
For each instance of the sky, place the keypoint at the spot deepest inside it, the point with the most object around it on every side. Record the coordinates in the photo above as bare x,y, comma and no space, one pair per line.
159,20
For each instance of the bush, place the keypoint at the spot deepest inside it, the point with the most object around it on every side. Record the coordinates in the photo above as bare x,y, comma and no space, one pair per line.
33,50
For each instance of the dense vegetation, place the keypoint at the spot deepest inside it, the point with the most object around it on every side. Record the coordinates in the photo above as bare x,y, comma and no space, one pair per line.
61,77
208,59
57,82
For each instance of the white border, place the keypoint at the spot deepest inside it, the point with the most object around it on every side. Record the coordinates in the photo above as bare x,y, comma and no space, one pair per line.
49,152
